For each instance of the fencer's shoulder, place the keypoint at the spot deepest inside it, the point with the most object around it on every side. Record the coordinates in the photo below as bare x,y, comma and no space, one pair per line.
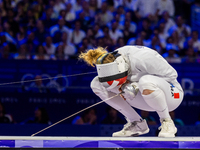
133,48
127,49
124,48
136,51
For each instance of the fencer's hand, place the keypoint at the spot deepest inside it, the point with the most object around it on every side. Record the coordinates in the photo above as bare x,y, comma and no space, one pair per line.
128,91
120,90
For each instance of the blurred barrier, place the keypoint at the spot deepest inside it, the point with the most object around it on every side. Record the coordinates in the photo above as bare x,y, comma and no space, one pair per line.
82,130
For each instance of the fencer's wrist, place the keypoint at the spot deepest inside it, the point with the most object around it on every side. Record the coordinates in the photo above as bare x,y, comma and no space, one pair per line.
129,90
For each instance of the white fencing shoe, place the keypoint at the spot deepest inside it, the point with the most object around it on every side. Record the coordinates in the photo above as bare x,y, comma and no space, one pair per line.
133,129
167,127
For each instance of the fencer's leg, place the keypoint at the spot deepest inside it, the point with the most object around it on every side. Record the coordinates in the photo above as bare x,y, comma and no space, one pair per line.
155,98
118,103
136,125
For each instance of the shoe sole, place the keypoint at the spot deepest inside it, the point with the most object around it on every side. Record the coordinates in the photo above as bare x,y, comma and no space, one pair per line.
168,136
137,134
141,133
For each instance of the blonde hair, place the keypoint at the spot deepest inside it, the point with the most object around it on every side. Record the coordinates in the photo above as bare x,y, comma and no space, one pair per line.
91,56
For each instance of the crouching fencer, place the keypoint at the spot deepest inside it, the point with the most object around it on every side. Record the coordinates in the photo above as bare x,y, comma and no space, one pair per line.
144,80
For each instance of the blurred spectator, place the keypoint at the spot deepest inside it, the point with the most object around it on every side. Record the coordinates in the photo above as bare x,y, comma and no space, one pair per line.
85,21
90,36
196,40
32,42
128,23
141,39
190,56
41,54
117,3
183,8
2,10
37,86
171,55
58,5
40,32
120,42
156,44
177,121
189,44
93,5
128,31
48,17
162,35
97,31
86,9
49,46
129,4
21,14
109,44
145,26
40,116
77,6
23,53
69,48
114,32
7,36
121,13
143,9
169,22
150,120
176,40
88,117
77,34
5,52
21,36
105,15
182,29
4,118
60,54
30,20
59,28
70,14
37,9
86,44
62,14
14,26
112,117
106,31
165,5
100,42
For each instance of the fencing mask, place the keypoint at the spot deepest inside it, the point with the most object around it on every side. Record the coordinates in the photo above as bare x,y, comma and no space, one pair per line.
114,73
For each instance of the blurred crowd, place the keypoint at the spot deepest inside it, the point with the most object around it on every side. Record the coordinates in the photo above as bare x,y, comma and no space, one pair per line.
61,29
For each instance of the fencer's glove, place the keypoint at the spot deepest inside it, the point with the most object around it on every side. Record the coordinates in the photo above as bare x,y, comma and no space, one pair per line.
129,90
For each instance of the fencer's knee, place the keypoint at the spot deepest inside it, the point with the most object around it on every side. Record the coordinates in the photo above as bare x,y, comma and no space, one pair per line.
147,85
144,79
147,92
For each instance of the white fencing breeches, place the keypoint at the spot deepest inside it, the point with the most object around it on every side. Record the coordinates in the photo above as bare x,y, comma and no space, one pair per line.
173,96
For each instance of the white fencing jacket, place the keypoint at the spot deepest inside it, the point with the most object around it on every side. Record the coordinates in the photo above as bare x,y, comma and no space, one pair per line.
146,61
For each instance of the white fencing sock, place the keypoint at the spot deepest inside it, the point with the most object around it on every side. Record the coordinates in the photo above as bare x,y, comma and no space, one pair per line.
157,101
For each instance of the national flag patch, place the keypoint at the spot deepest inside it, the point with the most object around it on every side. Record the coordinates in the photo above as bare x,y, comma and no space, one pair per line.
176,95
